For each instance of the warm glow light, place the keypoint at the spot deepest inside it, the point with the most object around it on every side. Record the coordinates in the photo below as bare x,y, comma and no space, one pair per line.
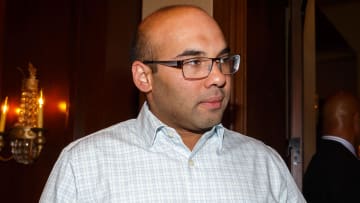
4,110
5,107
62,106
40,111
41,99
17,110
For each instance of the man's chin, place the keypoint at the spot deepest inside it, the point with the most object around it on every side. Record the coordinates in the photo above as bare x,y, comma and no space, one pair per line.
209,123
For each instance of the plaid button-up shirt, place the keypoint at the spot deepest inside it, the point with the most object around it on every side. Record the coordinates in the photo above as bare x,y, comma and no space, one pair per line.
143,160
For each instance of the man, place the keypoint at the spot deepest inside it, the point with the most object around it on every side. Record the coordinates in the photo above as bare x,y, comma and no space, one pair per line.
333,174
176,150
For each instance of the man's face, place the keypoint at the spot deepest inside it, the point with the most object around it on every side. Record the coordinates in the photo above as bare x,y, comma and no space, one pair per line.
188,105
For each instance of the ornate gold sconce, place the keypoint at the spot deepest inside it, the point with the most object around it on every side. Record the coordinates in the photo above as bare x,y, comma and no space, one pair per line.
26,136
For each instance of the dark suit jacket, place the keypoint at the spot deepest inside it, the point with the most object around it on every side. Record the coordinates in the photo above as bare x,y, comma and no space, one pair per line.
333,175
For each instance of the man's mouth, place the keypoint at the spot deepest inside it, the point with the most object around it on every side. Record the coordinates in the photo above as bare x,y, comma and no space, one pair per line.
212,103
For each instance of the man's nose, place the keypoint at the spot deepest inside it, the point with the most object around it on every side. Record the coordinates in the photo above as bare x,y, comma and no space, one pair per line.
216,77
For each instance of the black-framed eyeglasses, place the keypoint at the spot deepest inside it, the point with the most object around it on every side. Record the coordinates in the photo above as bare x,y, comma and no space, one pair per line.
200,67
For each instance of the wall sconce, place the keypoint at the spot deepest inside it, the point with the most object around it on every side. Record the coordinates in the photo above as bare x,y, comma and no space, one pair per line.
26,136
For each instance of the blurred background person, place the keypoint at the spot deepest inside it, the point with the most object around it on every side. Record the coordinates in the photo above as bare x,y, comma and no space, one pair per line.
333,174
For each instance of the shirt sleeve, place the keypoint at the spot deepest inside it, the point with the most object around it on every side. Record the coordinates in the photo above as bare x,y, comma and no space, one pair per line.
61,184
290,191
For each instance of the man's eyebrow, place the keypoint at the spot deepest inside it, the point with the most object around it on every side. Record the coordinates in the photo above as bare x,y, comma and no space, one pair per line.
191,53
199,53
225,51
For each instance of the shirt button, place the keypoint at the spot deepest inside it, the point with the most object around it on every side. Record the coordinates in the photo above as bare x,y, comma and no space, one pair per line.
171,134
191,163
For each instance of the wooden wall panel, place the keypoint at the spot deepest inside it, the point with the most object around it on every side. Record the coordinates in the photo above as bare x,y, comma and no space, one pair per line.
232,18
266,84
2,26
256,30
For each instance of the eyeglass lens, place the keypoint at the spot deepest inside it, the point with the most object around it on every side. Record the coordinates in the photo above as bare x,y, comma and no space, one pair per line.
201,67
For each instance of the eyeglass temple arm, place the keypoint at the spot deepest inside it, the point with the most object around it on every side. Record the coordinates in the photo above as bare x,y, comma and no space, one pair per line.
174,64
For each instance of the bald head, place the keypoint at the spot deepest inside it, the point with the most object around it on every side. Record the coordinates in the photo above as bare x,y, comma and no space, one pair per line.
170,14
168,24
341,116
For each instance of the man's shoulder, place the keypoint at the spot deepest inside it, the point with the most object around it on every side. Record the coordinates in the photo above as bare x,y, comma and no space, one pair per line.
239,138
114,135
257,153
243,142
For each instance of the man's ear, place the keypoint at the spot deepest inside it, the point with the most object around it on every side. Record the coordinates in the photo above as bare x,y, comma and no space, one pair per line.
142,76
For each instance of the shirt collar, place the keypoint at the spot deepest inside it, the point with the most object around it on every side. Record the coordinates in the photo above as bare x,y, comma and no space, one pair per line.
342,141
150,125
